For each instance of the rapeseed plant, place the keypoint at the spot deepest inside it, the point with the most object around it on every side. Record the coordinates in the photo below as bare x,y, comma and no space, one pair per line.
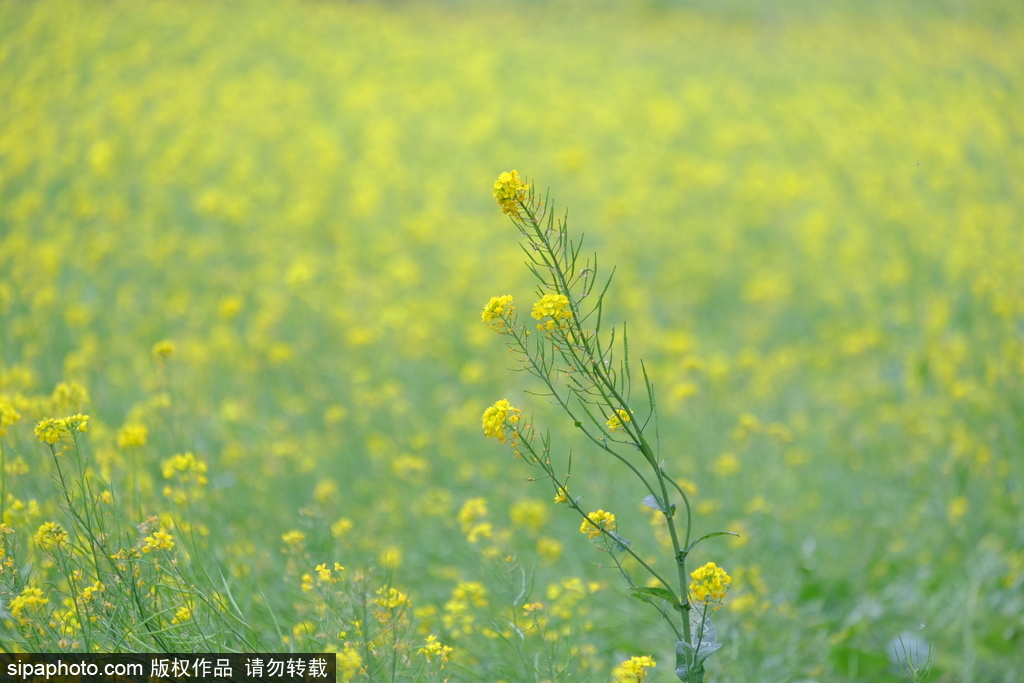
98,584
586,371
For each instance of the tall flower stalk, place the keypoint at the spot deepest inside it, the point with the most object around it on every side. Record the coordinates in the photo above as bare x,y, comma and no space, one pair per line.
585,369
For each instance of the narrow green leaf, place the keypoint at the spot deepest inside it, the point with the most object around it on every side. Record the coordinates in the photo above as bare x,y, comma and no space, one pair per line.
711,535
652,502
660,593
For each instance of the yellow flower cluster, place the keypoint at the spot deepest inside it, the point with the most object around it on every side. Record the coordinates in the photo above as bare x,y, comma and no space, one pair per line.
50,430
529,513
497,419
65,622
30,600
190,474
90,592
473,520
391,598
184,463
634,669
160,540
555,307
163,350
598,520
615,422
8,415
710,583
350,662
498,312
532,608
458,615
561,495
293,538
325,573
566,598
50,535
133,435
510,191
433,648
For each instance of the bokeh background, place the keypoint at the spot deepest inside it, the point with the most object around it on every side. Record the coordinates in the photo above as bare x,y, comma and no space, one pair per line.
814,214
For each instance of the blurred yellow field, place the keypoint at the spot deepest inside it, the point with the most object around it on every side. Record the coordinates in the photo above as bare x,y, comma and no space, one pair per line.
251,243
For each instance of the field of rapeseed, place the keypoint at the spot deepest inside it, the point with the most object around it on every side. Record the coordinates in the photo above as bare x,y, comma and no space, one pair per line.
244,249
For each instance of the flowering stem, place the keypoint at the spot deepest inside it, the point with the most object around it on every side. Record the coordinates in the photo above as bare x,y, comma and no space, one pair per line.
545,464
603,394
540,372
610,395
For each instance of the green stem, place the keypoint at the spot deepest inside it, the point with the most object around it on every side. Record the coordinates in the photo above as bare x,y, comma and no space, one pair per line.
590,363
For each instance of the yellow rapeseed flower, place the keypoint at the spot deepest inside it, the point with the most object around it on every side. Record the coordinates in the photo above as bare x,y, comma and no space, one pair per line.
634,669
555,307
602,520
133,435
562,495
89,592
340,528
433,648
29,601
160,540
615,422
350,662
163,350
710,583
549,549
50,430
498,312
510,191
391,598
189,472
8,415
529,513
473,519
50,535
293,538
77,423
498,417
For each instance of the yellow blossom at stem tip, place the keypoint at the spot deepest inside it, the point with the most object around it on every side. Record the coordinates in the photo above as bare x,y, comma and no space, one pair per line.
510,191
433,648
555,307
635,668
160,540
710,583
498,312
50,535
163,350
50,430
498,418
